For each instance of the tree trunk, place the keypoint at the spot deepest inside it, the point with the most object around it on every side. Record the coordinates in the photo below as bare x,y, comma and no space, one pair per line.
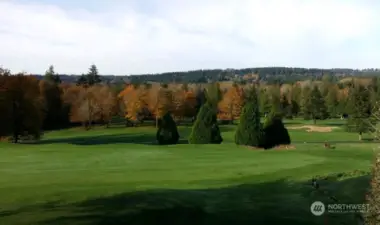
16,122
15,137
360,136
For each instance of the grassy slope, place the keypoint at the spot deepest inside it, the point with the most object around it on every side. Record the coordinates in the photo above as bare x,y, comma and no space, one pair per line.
100,177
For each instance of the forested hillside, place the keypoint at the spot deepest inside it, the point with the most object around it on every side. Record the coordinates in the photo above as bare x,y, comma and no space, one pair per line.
266,74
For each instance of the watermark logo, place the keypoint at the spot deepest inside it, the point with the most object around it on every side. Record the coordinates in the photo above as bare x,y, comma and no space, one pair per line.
319,208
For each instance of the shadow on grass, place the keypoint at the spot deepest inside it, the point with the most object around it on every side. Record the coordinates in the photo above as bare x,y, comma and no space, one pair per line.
146,139
137,137
277,202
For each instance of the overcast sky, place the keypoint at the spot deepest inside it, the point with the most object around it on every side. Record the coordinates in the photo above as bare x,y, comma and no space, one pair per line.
149,36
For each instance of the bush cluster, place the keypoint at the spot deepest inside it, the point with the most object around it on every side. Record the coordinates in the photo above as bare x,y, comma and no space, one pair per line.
205,129
167,132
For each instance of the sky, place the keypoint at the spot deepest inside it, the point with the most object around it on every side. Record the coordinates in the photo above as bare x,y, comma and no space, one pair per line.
123,37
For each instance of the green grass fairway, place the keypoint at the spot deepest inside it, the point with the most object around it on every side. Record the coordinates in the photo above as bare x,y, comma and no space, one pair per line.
120,176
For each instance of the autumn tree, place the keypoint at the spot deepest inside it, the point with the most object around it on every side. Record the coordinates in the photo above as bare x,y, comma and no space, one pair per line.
84,105
184,103
232,103
21,107
107,103
164,102
128,96
89,108
137,101
72,97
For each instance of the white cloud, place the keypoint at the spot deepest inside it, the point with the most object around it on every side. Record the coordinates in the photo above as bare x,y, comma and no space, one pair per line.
183,35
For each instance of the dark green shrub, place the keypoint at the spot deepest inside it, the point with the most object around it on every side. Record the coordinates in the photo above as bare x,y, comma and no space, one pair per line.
275,133
167,132
205,129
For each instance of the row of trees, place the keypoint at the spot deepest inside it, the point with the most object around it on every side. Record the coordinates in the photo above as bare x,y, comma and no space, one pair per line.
249,132
29,105
315,102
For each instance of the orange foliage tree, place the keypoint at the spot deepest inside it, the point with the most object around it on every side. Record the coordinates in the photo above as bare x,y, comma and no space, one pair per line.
164,103
229,108
190,104
136,100
107,103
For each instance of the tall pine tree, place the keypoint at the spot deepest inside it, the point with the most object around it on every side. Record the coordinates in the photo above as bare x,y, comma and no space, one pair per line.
50,76
276,109
318,108
358,108
332,102
92,77
306,103
265,104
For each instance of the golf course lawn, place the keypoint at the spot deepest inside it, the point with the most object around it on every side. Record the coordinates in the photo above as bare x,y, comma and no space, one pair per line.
120,176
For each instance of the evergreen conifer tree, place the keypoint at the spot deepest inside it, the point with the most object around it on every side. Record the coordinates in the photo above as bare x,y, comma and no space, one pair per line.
205,129
358,109
332,102
249,129
318,108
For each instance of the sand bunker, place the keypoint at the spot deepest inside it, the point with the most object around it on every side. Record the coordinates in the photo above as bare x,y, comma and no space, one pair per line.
285,147
314,128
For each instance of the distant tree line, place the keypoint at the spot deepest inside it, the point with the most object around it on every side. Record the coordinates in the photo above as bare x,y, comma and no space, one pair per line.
270,75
